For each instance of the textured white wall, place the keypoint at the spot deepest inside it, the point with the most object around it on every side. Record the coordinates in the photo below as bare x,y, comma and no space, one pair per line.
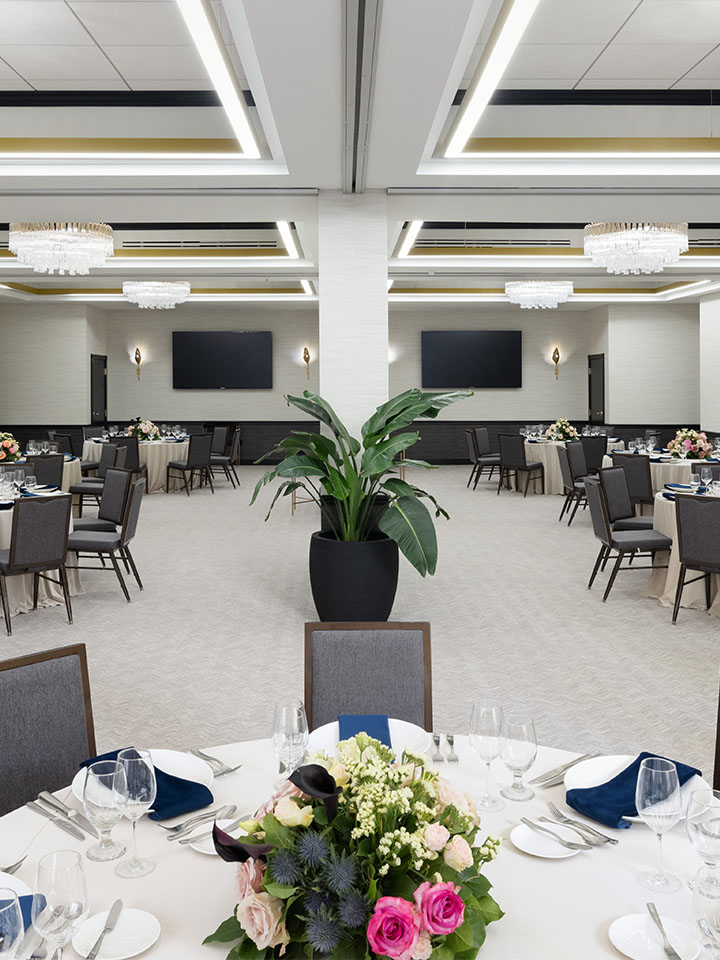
709,365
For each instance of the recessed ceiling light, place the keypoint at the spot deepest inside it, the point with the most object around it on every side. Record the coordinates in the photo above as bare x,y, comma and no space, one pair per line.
288,239
414,228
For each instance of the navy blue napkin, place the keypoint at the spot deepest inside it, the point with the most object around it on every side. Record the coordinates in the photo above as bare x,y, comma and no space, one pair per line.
175,796
608,803
702,489
7,504
26,907
668,496
373,724
678,486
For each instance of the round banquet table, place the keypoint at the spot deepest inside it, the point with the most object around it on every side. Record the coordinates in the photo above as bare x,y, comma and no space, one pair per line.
669,471
546,452
558,909
663,582
155,454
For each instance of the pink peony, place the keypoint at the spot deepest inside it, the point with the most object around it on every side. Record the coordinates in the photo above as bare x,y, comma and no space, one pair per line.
287,790
423,948
436,836
441,909
394,928
457,853
260,915
249,877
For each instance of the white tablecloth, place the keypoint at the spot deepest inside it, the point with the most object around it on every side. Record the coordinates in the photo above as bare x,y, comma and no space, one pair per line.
546,453
554,909
156,454
671,471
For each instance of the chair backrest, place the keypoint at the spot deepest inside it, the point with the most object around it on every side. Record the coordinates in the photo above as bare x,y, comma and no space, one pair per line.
47,468
368,668
132,453
512,451
235,445
199,450
637,474
698,531
576,458
121,453
47,722
482,441
114,495
108,453
594,449
715,468
219,438
617,496
565,471
472,447
92,433
39,532
65,443
132,511
598,510
25,467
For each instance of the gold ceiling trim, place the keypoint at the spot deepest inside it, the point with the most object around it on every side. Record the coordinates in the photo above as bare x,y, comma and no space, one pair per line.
188,252
499,290
64,291
119,145
638,145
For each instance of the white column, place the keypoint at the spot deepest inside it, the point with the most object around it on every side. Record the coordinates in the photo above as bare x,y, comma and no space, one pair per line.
709,364
352,274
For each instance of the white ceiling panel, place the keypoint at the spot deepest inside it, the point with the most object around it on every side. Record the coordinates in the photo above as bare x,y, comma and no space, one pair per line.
672,21
625,83
42,21
58,62
136,22
80,84
7,72
16,84
536,60
560,21
648,61
540,83
157,63
708,68
171,84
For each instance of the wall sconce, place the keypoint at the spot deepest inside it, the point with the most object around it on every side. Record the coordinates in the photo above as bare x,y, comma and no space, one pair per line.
306,358
138,360
555,360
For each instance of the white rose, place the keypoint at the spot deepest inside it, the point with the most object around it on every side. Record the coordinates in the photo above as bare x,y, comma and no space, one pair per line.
291,815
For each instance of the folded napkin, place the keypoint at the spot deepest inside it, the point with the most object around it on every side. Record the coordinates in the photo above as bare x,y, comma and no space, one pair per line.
26,902
668,496
678,486
608,803
374,725
175,796
702,489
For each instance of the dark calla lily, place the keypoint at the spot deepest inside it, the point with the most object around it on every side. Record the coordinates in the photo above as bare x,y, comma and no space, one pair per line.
235,851
315,781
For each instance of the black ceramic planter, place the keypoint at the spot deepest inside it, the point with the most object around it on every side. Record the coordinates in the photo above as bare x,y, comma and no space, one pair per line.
353,580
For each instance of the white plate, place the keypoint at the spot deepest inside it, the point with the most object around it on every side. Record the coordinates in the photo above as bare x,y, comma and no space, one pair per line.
403,736
638,938
537,845
207,846
11,882
136,931
599,770
177,764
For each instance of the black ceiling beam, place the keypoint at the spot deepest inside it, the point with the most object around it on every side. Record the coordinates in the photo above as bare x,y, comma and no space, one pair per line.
498,225
600,98
114,98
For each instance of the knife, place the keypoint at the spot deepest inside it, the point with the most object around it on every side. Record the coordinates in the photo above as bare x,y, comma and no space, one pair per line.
203,836
63,824
112,919
69,812
558,771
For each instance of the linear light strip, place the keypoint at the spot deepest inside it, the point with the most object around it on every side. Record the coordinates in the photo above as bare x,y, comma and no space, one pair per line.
307,287
288,239
411,233
203,29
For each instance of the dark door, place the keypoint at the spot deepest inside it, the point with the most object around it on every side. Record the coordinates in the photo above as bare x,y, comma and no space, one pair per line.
596,388
98,388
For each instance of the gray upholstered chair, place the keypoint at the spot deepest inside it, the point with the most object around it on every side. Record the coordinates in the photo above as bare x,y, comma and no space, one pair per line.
93,433
621,512
111,455
625,543
47,468
63,440
513,463
594,449
227,463
473,454
637,473
219,440
367,668
47,722
698,539
132,455
574,489
25,467
38,545
198,462
486,458
112,503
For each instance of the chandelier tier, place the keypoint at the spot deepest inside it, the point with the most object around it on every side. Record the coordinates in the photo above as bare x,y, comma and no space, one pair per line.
635,247
61,247
156,294
538,294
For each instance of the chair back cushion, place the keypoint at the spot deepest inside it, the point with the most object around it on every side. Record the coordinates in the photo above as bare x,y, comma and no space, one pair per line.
567,477
512,451
637,474
482,441
108,452
617,495
594,449
698,525
199,450
114,495
47,468
92,433
601,527
472,449
132,511
235,446
576,459
40,532
132,453
219,438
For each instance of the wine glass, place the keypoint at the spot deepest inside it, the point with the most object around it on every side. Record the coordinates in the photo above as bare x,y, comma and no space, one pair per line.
60,901
706,475
632,446
134,791
11,923
659,805
518,753
30,482
486,740
101,809
290,733
703,827
695,479
706,909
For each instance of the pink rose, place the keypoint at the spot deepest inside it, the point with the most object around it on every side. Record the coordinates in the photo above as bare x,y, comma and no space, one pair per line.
448,796
259,915
249,877
458,854
7,443
13,449
687,444
287,790
441,909
436,836
423,948
394,928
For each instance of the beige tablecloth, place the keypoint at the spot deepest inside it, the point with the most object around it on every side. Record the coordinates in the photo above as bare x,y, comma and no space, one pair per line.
671,471
546,453
156,454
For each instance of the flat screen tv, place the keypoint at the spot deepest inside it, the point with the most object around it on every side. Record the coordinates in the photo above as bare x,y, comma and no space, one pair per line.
222,360
471,358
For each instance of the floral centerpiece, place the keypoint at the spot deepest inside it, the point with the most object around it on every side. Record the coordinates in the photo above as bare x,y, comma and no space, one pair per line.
143,430
9,448
367,855
562,429
690,444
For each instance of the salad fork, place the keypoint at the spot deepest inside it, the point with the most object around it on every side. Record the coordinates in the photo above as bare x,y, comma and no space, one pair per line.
209,814
561,818
219,767
452,756
14,867
570,844
437,756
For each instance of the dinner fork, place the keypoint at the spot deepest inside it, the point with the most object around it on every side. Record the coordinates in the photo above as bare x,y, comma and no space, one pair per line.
14,867
670,951
208,815
437,756
219,767
452,756
570,844
561,818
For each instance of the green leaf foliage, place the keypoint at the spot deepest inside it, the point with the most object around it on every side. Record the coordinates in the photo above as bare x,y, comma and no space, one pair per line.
280,890
228,930
276,832
408,522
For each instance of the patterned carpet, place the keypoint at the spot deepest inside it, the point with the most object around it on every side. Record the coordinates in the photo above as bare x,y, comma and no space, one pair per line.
217,636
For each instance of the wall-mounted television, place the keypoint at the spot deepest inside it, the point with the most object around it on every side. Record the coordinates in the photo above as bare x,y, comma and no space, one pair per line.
222,360
471,358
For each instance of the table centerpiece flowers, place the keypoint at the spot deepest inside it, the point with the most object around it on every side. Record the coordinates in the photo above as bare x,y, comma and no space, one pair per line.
143,430
361,856
690,444
9,448
561,430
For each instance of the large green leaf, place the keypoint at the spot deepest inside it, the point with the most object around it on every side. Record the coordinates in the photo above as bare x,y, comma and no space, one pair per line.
264,479
319,408
381,456
408,522
400,488
316,443
301,465
400,412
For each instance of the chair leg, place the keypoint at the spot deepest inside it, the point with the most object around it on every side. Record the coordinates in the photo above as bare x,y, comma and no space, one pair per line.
614,573
237,478
119,575
66,592
80,504
708,591
542,480
134,568
5,604
472,474
566,504
36,588
208,477
124,560
572,517
527,483
500,481
600,557
187,489
678,593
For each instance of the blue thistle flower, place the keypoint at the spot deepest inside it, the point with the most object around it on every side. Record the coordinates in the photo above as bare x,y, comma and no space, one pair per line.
353,910
312,848
315,901
284,867
340,873
323,932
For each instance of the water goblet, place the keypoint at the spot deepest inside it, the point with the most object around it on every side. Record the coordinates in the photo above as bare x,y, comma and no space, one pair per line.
486,740
695,479
290,733
31,448
706,475
60,902
518,753
706,909
134,791
11,923
30,482
632,446
703,829
659,805
101,809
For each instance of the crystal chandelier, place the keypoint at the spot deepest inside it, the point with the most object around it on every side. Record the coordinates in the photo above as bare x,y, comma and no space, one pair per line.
635,247
63,247
156,294
538,294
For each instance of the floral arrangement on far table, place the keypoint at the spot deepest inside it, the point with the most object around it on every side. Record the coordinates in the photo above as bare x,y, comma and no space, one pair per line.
9,448
690,444
144,430
562,429
370,855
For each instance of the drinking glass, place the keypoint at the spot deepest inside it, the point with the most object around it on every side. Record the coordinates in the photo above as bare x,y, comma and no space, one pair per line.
61,882
44,446
486,740
134,791
101,809
659,805
518,753
703,827
695,479
706,907
632,446
706,475
31,449
30,481
290,733
11,923
105,435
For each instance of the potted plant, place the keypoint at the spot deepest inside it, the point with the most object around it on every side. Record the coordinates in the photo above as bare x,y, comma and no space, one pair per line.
354,564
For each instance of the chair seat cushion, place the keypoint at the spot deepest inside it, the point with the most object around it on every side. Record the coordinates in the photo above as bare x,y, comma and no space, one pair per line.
641,540
178,464
93,541
94,523
533,465
634,523
486,458
4,559
221,461
87,488
89,465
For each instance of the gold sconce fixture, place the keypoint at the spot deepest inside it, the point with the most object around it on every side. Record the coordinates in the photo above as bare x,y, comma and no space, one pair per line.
306,358
138,360
556,361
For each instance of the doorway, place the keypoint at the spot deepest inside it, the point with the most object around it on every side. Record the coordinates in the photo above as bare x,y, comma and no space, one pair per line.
596,388
98,388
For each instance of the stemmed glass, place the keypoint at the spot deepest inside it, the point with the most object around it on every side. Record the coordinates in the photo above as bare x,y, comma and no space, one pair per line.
486,740
518,753
659,805
30,482
695,480
60,901
290,733
134,792
632,446
706,475
101,809
11,923
706,908
703,827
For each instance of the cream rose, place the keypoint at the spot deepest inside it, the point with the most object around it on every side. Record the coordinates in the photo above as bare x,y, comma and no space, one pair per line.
287,790
457,853
259,915
436,836
248,878
423,948
291,815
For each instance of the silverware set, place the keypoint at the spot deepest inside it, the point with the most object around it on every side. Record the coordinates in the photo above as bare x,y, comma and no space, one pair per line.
438,756
588,837
218,767
188,826
554,777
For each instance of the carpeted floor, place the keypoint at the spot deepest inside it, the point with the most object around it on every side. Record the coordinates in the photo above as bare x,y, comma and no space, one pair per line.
217,635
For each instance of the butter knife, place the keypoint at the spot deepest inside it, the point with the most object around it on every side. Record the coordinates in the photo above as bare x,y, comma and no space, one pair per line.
559,771
69,812
203,836
58,821
112,919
